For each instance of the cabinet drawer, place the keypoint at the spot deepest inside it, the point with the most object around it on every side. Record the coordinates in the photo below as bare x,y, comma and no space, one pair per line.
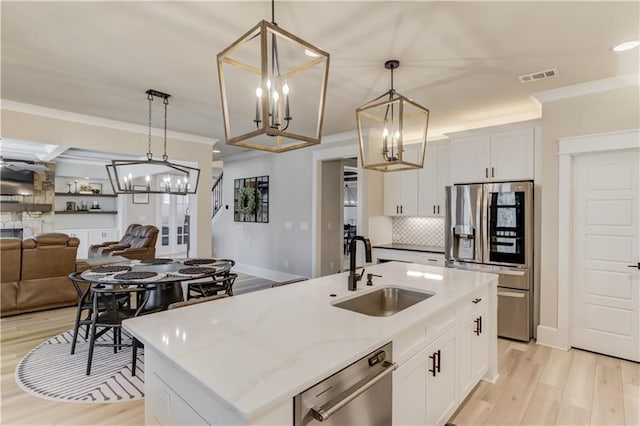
441,323
408,343
471,302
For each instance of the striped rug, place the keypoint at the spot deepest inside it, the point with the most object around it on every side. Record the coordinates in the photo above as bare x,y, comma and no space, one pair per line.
50,371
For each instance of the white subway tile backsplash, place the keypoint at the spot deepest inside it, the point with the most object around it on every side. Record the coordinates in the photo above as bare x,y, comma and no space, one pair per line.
426,231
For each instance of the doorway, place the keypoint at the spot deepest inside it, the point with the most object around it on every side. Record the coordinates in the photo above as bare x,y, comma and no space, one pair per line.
173,215
350,206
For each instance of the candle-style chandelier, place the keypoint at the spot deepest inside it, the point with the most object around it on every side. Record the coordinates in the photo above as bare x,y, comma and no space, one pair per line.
273,86
392,130
153,176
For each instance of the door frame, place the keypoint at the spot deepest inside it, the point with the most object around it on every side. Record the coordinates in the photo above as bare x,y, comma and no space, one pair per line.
568,149
338,153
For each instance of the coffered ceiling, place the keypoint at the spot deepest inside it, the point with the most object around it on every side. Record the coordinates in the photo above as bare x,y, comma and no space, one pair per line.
460,59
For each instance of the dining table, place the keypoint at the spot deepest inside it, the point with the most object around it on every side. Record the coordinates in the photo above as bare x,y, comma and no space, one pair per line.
161,277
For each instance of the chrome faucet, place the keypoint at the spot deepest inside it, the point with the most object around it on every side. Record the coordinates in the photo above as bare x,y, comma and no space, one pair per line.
353,276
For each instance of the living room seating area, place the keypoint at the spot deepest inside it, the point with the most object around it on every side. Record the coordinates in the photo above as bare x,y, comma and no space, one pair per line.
34,273
138,242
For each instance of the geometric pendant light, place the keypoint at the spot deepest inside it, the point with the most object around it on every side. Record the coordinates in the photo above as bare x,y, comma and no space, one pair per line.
273,86
149,176
392,130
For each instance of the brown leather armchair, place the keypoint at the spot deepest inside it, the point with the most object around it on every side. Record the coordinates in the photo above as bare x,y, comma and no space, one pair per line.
139,242
10,259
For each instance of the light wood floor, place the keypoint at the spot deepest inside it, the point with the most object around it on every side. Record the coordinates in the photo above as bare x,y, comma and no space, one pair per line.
537,385
544,386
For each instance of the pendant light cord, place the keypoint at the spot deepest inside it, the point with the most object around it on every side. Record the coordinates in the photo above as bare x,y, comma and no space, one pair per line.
273,12
149,154
165,157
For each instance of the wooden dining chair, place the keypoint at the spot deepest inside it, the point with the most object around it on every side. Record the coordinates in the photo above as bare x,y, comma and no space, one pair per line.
217,283
108,314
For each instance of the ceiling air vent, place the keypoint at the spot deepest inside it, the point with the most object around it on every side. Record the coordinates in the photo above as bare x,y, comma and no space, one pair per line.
540,75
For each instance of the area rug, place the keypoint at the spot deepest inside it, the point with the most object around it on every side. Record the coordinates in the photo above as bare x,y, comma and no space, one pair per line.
50,371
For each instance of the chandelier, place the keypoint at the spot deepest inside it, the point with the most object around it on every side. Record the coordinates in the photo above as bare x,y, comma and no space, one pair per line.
153,176
273,86
392,130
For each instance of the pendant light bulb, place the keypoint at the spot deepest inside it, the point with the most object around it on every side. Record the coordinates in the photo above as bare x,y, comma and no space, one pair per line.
259,92
397,135
285,89
276,96
268,84
385,132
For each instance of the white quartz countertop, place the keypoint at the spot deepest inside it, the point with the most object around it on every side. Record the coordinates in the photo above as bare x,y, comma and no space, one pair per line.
258,349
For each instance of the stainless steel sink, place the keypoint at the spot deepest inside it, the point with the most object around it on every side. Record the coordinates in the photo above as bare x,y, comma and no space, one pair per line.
384,302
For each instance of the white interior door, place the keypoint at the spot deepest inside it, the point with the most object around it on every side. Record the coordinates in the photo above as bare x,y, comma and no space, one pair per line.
606,240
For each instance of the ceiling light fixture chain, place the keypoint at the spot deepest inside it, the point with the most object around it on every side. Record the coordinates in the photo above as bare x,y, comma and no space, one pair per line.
165,101
149,154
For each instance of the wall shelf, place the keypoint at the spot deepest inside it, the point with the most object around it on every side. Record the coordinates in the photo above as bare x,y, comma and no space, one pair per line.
77,194
85,212
23,207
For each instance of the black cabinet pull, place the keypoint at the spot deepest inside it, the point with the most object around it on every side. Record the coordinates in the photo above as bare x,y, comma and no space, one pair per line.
486,172
434,209
476,300
480,323
432,370
634,266
438,208
401,209
492,170
476,329
438,366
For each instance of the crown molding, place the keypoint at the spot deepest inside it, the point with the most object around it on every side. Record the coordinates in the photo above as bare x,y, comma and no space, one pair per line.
588,88
91,120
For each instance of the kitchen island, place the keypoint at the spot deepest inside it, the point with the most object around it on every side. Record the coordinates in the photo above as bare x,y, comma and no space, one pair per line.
242,360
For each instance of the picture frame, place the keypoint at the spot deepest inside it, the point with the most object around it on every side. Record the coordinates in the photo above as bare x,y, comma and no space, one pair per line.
251,199
140,198
90,188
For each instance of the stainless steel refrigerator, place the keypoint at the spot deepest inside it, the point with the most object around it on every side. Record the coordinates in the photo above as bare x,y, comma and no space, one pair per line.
489,228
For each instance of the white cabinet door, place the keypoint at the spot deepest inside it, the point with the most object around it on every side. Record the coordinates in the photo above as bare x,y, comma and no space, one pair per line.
470,158
392,185
441,379
409,392
473,357
428,182
444,175
512,155
401,193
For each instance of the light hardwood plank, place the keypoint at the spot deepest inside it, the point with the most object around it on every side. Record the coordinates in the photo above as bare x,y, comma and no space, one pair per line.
557,368
544,406
608,406
474,412
631,390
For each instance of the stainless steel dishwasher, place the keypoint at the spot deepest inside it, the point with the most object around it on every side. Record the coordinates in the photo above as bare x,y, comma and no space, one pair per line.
359,394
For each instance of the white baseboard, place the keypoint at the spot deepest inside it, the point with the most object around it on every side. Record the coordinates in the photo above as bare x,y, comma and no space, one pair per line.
267,274
552,337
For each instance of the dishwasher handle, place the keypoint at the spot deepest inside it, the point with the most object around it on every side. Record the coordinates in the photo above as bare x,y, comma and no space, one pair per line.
322,415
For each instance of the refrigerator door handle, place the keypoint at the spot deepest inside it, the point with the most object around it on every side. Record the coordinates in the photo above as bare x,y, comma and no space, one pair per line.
511,294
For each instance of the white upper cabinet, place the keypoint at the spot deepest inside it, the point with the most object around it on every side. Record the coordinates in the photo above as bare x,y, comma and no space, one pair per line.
433,178
401,188
496,155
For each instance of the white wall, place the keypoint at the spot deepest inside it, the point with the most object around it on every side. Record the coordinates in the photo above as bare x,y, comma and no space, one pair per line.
586,114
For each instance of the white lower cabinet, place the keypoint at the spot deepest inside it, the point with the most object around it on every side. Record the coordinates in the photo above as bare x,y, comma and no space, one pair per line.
429,387
473,350
409,391
441,379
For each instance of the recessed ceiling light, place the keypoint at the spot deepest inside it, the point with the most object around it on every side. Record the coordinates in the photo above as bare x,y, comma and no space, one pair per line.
216,151
627,45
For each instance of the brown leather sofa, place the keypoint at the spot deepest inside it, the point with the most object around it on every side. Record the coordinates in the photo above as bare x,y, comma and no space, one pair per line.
138,242
35,273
